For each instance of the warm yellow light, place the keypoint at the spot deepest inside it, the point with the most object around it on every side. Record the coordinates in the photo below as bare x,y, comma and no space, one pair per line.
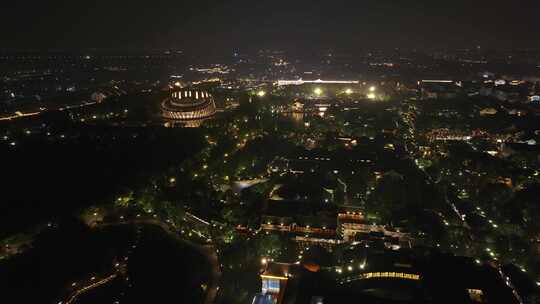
261,93
318,91
372,89
348,91
371,96
178,84
273,277
397,275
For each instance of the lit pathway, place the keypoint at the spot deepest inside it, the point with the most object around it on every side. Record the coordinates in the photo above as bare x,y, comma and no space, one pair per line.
73,297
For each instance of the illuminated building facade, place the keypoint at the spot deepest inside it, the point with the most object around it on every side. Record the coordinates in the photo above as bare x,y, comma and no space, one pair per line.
187,106
274,281
318,81
353,227
439,89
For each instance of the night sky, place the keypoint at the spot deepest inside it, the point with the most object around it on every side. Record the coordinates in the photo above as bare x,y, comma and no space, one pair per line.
199,24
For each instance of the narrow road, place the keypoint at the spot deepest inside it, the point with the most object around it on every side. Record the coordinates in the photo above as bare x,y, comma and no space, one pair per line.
345,195
73,297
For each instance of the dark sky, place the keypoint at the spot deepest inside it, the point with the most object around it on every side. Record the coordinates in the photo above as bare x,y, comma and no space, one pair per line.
199,24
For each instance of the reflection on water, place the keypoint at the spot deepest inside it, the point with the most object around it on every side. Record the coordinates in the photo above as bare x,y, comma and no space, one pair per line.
296,117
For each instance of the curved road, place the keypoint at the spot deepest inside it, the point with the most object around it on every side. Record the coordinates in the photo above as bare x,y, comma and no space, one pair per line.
207,250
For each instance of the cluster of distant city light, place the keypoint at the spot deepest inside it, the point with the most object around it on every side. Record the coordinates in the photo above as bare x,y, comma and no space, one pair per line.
318,91
371,95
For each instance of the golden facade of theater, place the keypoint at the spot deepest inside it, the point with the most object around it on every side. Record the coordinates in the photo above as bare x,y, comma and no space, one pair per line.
188,107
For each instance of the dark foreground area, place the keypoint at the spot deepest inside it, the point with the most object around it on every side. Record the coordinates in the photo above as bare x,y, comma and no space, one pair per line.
144,263
54,171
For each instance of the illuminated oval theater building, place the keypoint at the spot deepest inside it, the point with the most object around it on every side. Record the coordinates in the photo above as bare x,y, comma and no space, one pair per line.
188,106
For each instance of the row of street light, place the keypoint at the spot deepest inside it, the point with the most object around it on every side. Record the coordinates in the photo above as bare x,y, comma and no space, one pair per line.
318,91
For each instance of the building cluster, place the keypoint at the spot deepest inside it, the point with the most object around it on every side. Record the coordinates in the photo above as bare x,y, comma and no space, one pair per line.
378,275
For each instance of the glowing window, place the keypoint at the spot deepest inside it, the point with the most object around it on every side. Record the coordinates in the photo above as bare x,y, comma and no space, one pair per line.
270,285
